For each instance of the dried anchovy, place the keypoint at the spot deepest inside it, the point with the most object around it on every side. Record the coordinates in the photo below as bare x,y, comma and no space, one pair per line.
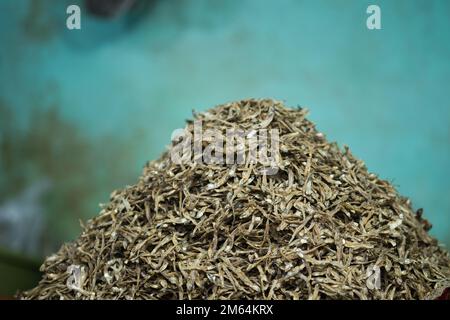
323,227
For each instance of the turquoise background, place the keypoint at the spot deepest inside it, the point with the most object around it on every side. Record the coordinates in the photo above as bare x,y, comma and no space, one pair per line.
87,108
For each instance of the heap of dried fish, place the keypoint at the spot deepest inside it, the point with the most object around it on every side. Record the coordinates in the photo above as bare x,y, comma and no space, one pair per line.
321,227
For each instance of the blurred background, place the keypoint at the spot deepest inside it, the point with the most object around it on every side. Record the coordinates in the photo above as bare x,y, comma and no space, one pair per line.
81,111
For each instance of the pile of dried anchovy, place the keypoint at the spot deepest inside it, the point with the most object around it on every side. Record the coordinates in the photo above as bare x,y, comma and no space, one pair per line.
322,227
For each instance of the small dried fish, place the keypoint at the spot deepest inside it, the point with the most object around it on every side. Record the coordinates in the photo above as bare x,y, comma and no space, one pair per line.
319,227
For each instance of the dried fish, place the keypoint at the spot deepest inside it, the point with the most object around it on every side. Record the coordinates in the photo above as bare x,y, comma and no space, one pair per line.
319,227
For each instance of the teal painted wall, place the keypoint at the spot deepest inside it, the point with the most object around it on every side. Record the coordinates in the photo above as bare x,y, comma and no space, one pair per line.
85,109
